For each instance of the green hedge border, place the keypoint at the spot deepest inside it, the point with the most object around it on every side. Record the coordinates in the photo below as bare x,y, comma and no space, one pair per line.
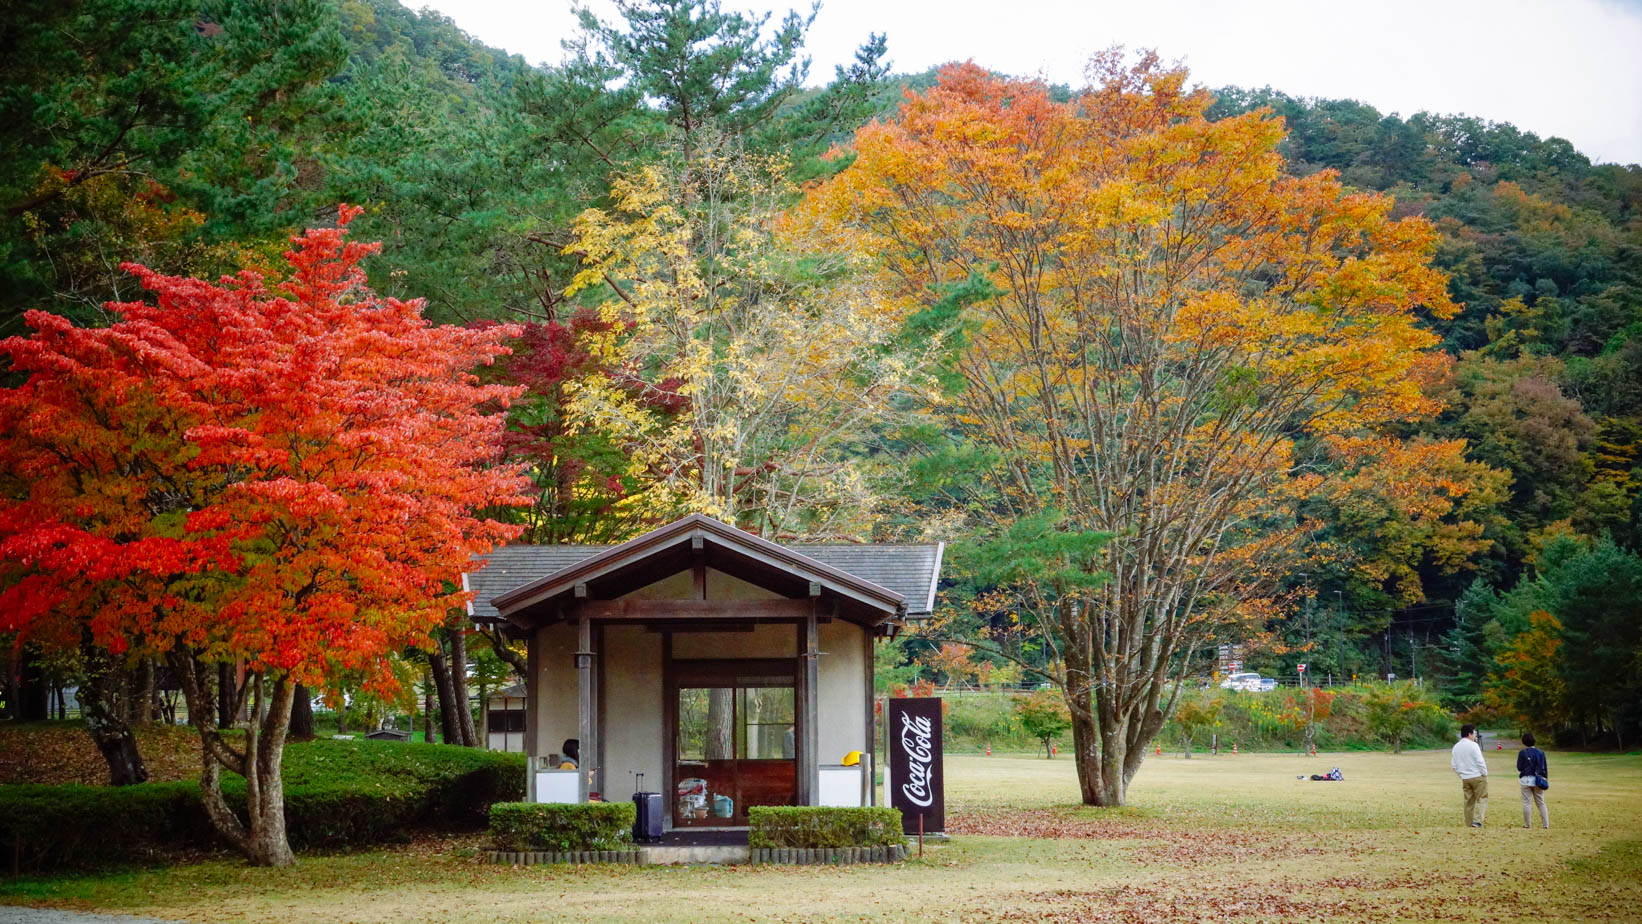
815,827
561,827
342,794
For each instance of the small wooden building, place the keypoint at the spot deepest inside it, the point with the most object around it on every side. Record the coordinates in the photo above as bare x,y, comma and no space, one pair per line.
727,670
505,720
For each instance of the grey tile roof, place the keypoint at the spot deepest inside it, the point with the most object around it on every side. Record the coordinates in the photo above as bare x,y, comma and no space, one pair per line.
909,570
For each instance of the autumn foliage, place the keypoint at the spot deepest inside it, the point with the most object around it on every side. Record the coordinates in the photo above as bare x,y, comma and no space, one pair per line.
280,473
1166,339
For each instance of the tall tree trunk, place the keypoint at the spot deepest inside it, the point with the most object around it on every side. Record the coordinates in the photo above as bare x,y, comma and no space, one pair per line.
227,686
261,836
459,684
31,686
8,682
427,706
1087,713
302,714
484,716
143,705
450,729
342,712
721,723
1086,755
101,693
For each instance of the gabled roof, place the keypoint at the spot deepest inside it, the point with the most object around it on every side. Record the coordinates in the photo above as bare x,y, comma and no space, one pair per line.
883,579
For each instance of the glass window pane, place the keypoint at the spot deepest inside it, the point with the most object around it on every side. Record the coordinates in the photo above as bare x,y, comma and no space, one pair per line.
766,731
692,724
706,721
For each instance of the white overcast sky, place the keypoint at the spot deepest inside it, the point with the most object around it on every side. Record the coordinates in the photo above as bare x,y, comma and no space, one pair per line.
1569,68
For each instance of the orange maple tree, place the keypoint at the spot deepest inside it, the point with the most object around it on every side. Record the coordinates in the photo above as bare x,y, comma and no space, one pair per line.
1164,339
281,474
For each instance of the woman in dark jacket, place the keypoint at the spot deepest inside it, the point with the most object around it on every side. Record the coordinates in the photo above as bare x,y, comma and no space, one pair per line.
1531,764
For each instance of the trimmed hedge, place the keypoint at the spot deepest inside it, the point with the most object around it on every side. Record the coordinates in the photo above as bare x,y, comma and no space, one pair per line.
46,827
516,826
811,827
337,794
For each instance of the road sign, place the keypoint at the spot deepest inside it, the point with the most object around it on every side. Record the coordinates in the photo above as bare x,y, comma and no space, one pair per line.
1302,668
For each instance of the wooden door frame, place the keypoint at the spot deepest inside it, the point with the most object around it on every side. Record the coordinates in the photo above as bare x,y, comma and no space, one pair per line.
697,673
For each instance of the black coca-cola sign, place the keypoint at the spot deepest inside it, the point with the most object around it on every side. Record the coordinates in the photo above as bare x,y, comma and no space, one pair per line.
916,777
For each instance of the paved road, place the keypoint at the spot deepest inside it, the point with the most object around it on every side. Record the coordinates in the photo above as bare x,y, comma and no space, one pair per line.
14,915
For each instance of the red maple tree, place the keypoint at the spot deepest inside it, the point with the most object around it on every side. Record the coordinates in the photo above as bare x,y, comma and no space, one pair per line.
281,474
579,478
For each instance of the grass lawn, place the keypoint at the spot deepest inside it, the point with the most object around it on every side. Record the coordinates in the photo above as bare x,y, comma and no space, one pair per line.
1211,839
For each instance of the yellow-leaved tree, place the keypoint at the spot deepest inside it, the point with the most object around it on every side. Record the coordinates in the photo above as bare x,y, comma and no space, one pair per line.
1168,341
772,351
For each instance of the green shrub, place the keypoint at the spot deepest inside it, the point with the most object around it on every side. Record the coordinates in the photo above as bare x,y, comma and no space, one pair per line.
974,720
1263,721
811,826
44,827
437,786
337,794
584,826
1044,716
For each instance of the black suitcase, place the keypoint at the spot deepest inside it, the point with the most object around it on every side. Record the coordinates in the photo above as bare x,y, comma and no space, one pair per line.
647,826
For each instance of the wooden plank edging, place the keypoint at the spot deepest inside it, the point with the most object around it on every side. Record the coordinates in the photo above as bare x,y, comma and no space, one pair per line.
830,856
781,856
543,857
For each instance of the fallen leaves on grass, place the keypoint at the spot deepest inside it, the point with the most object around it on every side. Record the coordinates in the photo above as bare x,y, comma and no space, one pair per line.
1178,845
1142,904
62,752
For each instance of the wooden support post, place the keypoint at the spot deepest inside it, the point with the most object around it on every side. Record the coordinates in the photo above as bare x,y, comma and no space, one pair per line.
869,792
584,705
533,710
809,766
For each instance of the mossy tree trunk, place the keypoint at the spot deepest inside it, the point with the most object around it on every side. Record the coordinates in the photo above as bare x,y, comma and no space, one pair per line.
261,836
103,694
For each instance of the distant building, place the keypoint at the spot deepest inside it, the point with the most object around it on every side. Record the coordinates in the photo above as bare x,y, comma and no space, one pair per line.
505,720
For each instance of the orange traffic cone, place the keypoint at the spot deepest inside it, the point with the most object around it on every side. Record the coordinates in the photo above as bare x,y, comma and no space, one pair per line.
1314,750
1234,748
1160,750
1054,750
1499,745
989,750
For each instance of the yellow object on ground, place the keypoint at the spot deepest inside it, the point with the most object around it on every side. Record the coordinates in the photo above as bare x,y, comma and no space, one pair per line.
852,758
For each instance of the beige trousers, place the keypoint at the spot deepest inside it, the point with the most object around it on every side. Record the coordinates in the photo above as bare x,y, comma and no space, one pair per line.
1534,796
1476,799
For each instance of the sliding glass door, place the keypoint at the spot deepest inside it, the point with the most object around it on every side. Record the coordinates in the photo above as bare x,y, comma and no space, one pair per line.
734,747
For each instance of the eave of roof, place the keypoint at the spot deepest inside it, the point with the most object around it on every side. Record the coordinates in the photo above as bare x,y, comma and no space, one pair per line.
887,602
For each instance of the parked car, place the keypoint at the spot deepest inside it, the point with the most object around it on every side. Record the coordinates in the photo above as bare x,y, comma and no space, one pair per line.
1250,681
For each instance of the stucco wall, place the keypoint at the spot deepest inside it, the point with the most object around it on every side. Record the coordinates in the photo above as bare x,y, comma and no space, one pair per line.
765,641
720,586
632,711
843,705
556,687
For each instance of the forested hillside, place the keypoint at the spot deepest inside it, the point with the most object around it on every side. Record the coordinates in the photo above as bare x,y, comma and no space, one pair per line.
655,222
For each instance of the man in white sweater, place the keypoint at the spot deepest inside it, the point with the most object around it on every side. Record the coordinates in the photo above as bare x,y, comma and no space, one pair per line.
1467,761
